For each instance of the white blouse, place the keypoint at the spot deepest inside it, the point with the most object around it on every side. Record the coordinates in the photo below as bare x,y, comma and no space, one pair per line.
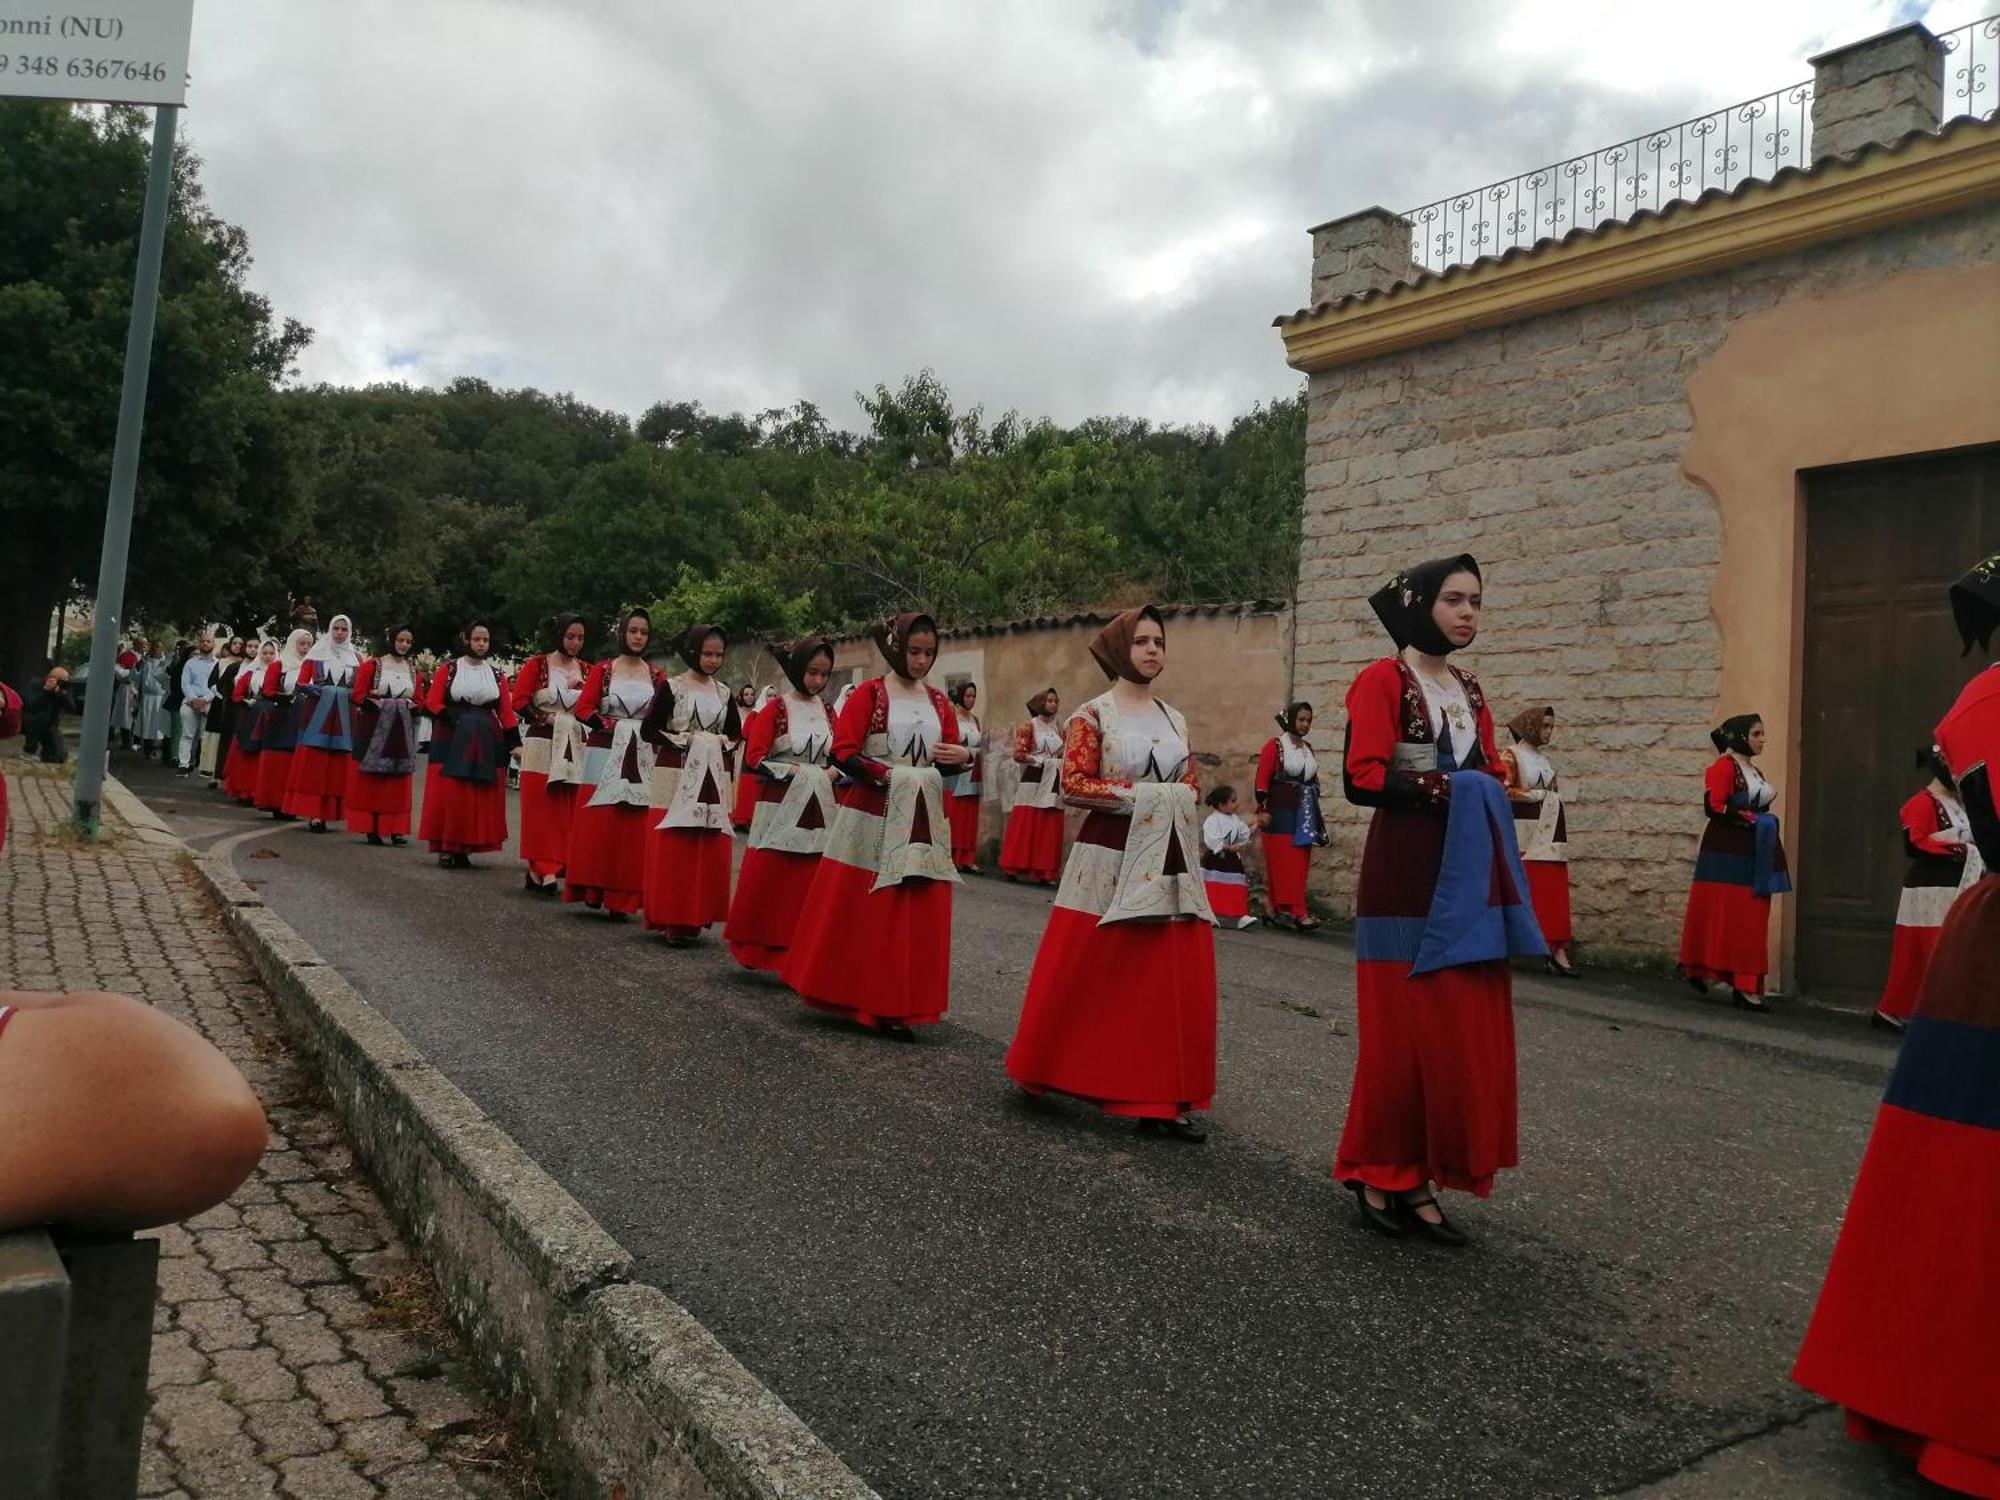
474,683
1144,747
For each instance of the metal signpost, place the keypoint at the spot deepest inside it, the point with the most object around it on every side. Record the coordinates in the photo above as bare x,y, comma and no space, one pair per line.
110,52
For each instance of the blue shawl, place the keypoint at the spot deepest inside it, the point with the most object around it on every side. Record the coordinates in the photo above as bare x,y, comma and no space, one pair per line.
1472,920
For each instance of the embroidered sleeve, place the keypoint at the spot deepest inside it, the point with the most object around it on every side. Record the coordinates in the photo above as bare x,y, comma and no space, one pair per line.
1375,709
1267,767
533,671
1489,753
1720,797
759,735
364,682
505,707
1926,829
1024,743
434,700
594,683
1083,784
851,731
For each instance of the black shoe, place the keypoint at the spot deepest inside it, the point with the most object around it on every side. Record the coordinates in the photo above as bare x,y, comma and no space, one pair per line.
1883,1022
316,826
1561,971
1744,1002
897,1032
398,840
1444,1232
184,771
1389,1220
375,840
1699,986
1185,1128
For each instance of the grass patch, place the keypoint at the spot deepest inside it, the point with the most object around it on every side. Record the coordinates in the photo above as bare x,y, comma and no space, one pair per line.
67,835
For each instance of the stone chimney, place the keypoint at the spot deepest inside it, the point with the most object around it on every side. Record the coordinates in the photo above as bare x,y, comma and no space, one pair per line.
1364,252
1876,91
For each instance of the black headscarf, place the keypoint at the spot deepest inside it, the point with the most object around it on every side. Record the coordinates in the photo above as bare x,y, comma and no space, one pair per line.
1734,734
1403,604
1288,720
957,694
563,623
796,656
892,638
1112,646
691,643
618,647
465,638
389,640
1930,758
1975,603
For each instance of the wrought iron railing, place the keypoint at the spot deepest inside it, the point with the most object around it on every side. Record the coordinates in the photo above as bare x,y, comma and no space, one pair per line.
1721,149
1972,70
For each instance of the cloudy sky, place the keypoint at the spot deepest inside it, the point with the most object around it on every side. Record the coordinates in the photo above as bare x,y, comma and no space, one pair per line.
1065,207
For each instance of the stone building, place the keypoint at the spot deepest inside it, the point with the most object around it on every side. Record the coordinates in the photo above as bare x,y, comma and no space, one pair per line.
1720,435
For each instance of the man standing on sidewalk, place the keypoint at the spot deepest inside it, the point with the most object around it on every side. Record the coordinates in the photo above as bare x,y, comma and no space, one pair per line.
197,688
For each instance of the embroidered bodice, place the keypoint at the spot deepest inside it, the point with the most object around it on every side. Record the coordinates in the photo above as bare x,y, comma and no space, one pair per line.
807,736
474,684
1532,767
699,707
626,697
913,728
1296,760
393,679
561,684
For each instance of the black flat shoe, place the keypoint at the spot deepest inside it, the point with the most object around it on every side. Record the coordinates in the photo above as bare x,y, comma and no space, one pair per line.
1883,1022
398,840
375,840
1389,1219
1561,971
1444,1232
898,1033
1699,986
1743,1002
315,826
1306,924
1186,1128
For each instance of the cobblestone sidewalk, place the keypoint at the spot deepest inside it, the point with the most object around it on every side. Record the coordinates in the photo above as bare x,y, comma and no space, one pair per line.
296,1349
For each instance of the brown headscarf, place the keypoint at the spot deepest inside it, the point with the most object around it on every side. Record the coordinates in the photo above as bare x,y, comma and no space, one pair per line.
796,656
1112,646
892,637
1039,704
1527,724
691,643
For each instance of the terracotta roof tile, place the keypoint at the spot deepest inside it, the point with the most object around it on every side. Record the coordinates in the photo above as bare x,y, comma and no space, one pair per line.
1097,615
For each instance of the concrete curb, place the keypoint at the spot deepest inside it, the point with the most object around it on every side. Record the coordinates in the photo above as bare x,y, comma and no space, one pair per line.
627,1393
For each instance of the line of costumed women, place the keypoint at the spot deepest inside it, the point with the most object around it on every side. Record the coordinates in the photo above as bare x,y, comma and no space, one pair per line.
1904,1333
239,775
1120,1009
1725,936
278,725
963,788
873,942
218,732
472,730
385,743
546,690
1541,828
323,748
1936,837
689,848
1441,907
1288,813
787,748
606,868
1031,847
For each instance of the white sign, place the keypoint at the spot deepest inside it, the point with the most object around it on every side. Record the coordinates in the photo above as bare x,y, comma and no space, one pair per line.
96,51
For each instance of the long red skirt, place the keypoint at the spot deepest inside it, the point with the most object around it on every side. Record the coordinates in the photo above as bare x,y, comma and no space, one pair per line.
1285,867
239,774
963,813
876,957
545,820
274,774
1433,1095
1909,961
1121,1016
1724,936
378,804
316,785
771,889
463,817
1032,846
606,863
687,880
1548,893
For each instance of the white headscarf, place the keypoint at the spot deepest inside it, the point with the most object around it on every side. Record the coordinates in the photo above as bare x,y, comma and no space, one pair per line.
339,660
292,656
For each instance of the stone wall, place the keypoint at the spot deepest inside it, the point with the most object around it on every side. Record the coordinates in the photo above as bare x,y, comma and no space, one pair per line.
1553,450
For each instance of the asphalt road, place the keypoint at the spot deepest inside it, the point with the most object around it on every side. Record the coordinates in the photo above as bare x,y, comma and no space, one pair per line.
970,1295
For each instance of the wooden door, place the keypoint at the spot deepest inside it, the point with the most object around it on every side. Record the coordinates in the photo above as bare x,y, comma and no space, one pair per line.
1882,663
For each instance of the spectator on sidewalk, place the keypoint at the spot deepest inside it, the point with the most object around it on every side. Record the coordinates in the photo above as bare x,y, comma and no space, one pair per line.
154,678
125,691
41,716
114,1117
197,688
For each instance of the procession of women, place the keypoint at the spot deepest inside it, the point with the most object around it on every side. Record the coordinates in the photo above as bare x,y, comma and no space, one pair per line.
861,819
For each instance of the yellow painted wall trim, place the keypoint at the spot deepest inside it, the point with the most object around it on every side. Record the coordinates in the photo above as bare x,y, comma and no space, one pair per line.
1925,178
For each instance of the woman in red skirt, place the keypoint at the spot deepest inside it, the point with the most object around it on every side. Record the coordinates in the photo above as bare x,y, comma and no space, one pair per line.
385,743
546,690
473,725
1935,834
316,785
688,850
1541,829
606,864
1440,908
1120,1009
786,745
963,790
239,774
873,940
1739,868
1903,1336
279,723
1031,848
1288,816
